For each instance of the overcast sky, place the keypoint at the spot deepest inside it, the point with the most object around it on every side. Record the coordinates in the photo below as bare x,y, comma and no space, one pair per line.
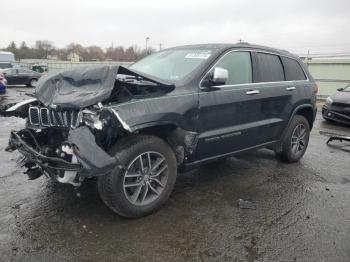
296,25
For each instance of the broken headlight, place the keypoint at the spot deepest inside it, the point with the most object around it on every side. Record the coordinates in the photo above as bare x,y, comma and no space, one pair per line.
92,119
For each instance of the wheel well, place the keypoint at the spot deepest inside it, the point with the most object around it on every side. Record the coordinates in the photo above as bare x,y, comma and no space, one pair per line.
308,113
182,142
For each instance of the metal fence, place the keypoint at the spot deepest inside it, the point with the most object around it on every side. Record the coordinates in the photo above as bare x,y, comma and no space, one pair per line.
59,66
330,74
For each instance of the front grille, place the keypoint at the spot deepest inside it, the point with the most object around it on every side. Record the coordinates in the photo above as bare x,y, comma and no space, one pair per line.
44,117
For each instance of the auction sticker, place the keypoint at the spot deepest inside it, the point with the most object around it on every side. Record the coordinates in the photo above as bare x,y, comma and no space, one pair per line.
198,55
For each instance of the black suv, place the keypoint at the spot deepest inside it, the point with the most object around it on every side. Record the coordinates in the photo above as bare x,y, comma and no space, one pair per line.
134,128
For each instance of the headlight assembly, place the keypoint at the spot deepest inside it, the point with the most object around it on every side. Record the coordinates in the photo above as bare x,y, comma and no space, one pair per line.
329,101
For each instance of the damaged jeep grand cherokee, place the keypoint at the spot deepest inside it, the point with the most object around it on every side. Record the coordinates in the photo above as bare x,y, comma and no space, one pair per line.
134,128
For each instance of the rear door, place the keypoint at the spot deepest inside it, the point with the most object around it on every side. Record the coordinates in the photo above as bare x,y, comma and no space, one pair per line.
299,85
276,95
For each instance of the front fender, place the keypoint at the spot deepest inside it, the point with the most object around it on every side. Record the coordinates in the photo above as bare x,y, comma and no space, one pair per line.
177,110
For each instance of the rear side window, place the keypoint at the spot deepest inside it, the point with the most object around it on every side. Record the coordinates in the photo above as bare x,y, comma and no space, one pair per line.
293,69
239,67
270,68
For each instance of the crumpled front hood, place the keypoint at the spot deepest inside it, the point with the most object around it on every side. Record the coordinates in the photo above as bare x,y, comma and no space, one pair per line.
77,88
341,97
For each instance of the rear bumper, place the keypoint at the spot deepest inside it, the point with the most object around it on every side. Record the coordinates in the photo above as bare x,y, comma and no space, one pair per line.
336,116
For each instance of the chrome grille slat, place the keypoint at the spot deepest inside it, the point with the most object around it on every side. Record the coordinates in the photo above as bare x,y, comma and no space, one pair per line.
61,123
53,119
44,117
34,115
73,123
65,122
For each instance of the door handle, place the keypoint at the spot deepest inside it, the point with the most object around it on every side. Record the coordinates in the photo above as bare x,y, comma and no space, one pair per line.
291,88
253,92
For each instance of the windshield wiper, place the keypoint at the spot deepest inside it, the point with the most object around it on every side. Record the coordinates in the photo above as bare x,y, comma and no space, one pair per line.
127,71
133,79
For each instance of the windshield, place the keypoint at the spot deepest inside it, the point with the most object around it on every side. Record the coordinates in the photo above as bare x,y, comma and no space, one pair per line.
172,65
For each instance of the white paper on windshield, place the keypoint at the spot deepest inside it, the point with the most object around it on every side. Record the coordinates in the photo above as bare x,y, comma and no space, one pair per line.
198,55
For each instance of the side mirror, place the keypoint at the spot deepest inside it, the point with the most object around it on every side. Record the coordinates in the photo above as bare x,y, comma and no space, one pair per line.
220,76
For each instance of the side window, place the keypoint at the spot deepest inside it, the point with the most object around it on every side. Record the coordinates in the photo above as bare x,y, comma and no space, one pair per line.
23,72
293,69
239,67
270,68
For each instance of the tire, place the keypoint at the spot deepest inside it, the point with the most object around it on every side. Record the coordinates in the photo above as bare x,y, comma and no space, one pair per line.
32,82
292,148
115,188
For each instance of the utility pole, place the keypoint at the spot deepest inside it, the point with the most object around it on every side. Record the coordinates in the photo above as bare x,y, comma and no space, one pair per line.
160,46
147,39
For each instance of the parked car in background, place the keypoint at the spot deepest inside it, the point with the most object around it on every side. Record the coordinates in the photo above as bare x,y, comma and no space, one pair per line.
3,83
18,76
337,106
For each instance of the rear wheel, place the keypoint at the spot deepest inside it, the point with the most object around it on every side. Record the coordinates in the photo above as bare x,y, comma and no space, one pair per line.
295,141
147,181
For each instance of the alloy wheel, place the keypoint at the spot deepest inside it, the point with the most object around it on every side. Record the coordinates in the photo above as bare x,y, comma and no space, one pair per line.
145,178
298,139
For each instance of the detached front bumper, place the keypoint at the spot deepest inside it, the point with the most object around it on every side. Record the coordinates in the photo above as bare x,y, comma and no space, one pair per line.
340,116
33,155
87,158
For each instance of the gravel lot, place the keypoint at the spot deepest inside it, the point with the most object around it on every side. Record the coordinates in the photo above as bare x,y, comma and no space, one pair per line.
302,211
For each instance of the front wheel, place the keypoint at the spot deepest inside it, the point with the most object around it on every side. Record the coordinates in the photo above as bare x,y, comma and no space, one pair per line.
295,141
147,181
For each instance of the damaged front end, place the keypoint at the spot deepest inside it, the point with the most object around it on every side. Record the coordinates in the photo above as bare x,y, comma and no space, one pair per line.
69,124
67,146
